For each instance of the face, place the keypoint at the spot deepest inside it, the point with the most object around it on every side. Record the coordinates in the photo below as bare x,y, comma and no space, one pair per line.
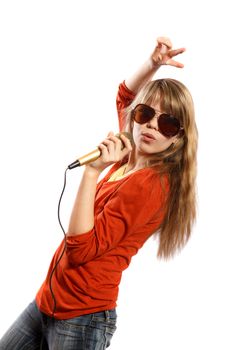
147,138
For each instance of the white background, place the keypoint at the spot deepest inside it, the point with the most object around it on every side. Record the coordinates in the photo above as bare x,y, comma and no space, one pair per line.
61,63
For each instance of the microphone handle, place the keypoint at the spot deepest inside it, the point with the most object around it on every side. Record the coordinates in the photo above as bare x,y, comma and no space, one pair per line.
88,158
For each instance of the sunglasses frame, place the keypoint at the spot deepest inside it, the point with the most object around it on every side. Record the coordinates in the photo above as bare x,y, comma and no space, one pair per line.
158,118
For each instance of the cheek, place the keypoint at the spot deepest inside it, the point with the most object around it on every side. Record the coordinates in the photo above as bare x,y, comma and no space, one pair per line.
164,140
136,132
163,143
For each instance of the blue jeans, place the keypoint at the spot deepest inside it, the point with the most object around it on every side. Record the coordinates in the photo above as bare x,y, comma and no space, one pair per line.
35,330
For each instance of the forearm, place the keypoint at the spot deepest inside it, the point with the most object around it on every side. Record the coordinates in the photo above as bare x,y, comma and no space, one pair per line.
144,74
162,55
82,216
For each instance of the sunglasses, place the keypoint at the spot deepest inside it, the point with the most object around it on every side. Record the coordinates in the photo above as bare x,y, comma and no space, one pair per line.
168,125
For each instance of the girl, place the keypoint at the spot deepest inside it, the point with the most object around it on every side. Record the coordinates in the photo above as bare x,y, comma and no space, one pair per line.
150,189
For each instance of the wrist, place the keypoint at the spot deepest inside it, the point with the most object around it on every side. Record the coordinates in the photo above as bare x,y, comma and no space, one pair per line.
92,172
154,65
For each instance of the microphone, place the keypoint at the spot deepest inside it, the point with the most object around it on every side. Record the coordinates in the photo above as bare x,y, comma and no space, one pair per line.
96,153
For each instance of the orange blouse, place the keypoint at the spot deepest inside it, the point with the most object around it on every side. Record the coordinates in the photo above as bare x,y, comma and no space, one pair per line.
126,213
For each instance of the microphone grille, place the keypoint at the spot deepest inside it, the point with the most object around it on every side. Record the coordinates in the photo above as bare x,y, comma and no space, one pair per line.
126,134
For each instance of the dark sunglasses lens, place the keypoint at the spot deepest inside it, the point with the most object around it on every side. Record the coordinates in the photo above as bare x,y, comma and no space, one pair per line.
168,125
142,114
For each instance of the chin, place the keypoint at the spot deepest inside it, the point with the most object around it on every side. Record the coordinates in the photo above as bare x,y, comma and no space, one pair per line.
147,150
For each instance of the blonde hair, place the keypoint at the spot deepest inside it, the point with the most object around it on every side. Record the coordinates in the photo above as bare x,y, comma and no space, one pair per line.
178,161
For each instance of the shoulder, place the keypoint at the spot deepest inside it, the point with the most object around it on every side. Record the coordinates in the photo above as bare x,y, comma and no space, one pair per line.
124,95
144,185
123,100
149,182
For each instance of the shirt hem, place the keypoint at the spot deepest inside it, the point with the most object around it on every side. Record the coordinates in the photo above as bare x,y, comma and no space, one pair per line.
72,314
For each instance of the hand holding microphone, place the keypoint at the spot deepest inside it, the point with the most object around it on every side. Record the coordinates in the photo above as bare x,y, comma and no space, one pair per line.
111,150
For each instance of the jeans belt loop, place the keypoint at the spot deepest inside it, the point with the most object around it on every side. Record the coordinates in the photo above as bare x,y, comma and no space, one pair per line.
107,315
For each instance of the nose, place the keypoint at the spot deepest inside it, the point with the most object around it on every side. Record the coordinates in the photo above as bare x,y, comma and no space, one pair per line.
153,123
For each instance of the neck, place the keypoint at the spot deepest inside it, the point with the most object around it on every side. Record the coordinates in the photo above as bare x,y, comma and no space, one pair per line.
136,161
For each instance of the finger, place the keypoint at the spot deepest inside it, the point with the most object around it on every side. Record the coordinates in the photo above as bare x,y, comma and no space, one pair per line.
121,141
116,141
174,63
165,41
126,142
176,52
109,144
110,134
103,150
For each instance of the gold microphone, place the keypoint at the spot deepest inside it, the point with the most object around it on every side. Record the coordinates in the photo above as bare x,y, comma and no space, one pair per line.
96,153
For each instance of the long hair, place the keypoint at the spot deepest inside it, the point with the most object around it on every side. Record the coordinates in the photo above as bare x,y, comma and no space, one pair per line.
178,162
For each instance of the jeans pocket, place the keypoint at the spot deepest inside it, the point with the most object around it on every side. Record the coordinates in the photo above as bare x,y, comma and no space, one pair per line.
73,335
93,331
73,326
105,322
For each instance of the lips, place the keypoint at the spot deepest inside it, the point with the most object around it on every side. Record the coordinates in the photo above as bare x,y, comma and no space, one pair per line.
148,136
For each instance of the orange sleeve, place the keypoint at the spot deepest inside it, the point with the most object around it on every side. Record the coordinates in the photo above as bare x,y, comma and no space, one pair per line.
134,211
123,100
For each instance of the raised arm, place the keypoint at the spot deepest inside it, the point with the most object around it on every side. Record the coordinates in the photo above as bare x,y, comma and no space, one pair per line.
161,55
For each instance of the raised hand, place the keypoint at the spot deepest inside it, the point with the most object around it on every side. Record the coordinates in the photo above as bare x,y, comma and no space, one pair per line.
163,53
